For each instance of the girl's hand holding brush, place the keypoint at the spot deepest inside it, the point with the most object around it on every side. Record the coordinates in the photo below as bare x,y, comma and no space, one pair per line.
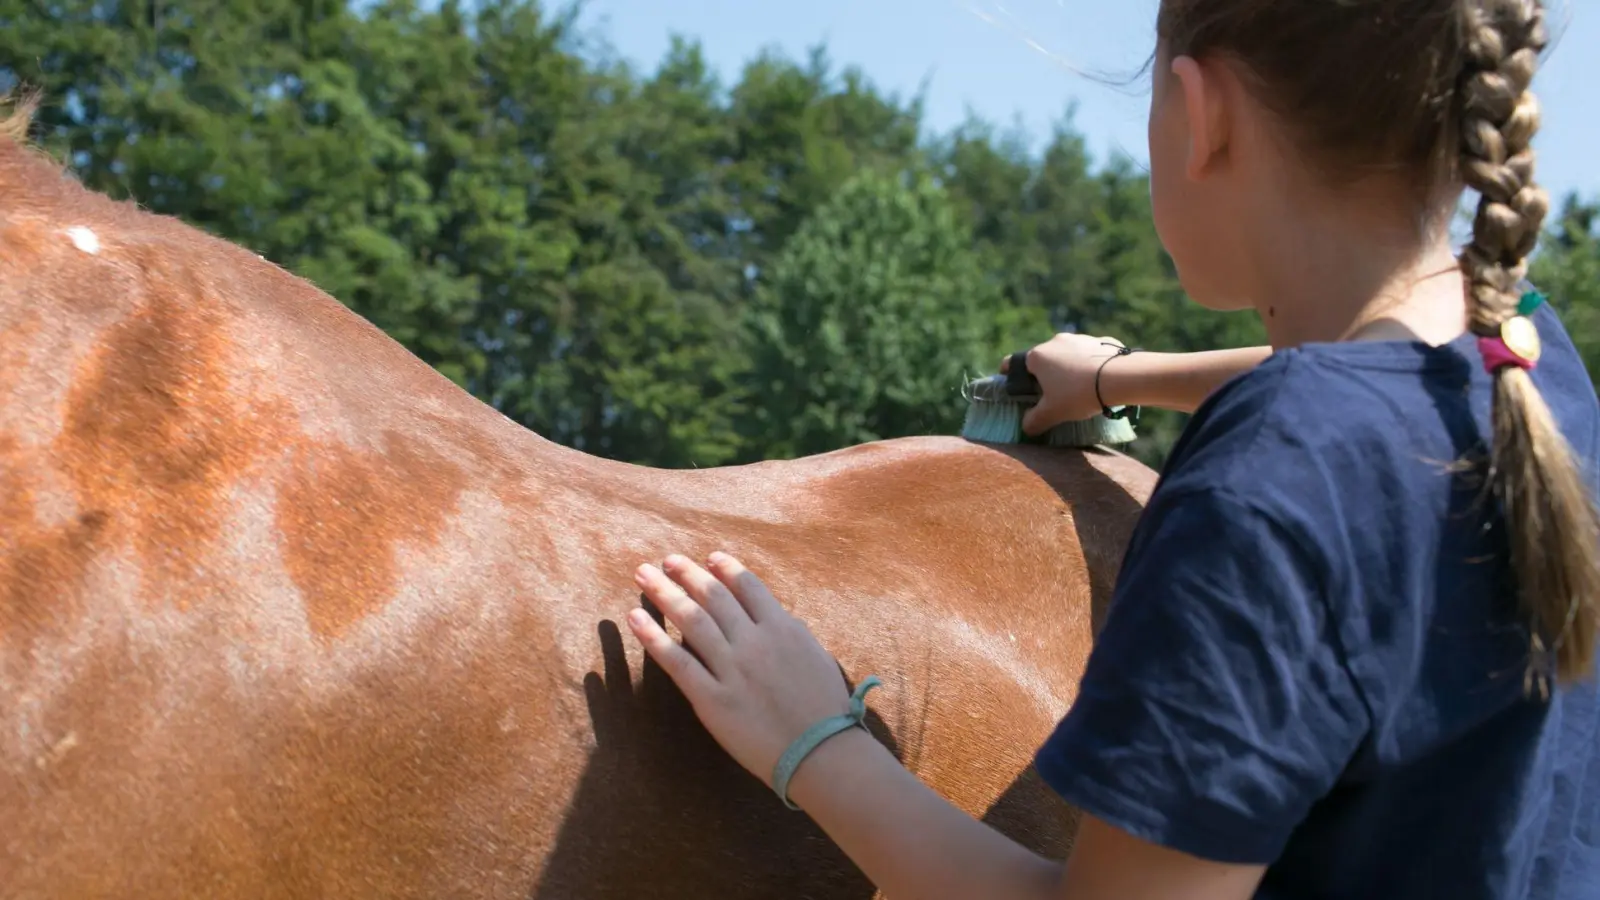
1067,367
1081,375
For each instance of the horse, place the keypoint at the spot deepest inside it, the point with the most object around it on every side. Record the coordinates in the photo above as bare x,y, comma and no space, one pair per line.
286,613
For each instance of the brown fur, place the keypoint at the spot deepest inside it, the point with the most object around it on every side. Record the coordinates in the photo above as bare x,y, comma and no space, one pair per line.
284,613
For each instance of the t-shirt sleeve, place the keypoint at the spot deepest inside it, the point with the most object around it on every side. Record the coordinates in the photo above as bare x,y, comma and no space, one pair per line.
1216,707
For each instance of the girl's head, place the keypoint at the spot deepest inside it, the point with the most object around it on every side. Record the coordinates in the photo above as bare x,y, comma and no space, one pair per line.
1400,104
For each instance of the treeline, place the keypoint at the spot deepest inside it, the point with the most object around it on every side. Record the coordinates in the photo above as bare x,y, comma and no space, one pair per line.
650,266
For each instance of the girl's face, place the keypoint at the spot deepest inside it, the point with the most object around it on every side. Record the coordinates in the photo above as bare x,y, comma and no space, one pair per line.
1192,209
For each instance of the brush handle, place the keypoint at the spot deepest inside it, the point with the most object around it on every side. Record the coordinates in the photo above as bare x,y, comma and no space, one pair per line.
1019,381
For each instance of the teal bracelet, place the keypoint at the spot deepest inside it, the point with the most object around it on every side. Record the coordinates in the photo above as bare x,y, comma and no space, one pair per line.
813,737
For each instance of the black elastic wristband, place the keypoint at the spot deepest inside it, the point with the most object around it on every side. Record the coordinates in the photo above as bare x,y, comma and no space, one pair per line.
1105,410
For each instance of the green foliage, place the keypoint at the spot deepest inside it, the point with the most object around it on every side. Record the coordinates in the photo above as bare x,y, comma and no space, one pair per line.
651,266
1567,270
874,313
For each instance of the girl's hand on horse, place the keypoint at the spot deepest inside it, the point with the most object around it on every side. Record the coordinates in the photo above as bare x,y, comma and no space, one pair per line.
1066,366
757,677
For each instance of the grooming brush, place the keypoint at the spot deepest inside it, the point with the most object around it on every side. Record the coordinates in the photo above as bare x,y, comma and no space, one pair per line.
995,406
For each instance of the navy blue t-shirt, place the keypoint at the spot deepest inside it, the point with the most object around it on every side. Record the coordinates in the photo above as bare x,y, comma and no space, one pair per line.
1313,659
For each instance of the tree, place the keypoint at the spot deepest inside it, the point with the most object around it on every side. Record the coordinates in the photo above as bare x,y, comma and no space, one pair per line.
1567,269
876,310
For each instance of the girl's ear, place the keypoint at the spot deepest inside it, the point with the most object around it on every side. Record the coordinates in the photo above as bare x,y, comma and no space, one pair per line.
1205,115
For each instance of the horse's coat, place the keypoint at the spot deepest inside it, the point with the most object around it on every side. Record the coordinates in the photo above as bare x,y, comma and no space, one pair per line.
284,613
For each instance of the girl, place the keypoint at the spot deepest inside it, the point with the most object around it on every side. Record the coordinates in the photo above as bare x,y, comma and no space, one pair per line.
1351,647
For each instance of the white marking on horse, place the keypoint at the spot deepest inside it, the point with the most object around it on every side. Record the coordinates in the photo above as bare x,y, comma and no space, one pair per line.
84,239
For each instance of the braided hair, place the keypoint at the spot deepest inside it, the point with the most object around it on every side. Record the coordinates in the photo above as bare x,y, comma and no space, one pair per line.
1554,531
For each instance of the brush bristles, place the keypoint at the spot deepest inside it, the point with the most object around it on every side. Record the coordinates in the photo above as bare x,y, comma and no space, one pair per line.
993,423
994,417
1089,432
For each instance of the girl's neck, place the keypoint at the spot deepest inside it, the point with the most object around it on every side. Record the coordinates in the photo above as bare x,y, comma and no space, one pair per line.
1347,274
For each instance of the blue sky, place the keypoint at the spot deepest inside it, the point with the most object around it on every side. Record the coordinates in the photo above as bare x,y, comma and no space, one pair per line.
1011,60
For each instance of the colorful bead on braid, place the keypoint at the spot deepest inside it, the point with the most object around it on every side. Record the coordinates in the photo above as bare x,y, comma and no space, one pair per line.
1517,344
1530,301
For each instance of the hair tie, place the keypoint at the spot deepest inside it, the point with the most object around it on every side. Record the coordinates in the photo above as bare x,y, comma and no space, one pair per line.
1517,344
813,737
1120,412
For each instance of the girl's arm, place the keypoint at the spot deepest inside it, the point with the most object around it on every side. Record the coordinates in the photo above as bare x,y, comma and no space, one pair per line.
758,678
1070,367
1177,381
913,844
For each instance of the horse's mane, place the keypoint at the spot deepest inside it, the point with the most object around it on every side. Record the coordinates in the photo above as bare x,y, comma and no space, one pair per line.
16,115
17,109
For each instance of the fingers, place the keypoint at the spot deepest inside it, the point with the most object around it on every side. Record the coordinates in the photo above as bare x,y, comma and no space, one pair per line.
679,664
1038,419
751,593
710,593
700,630
1039,413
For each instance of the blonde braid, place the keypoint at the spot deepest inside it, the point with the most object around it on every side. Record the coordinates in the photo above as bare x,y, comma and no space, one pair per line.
1552,521
1499,118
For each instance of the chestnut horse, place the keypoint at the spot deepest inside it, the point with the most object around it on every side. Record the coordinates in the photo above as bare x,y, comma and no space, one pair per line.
284,613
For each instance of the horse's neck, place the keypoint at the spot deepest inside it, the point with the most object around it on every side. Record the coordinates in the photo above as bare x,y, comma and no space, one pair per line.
176,382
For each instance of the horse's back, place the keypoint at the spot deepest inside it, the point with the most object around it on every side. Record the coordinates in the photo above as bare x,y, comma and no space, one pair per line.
968,578
283,612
